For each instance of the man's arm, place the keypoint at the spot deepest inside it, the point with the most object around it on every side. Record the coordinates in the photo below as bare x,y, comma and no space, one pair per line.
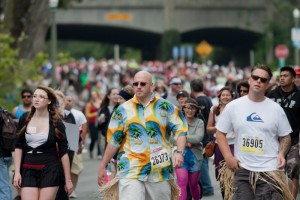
284,147
231,161
110,151
178,158
284,144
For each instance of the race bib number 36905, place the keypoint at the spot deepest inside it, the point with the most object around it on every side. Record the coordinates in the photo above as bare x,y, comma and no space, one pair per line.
253,144
159,159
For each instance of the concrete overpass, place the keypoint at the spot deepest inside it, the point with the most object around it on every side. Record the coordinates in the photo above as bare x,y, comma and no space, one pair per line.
141,23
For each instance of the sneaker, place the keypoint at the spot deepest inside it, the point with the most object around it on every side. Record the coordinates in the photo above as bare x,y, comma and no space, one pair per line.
99,157
91,155
206,194
73,195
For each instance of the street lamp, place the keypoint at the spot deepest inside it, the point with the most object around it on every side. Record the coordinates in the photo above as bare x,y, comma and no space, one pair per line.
296,15
53,5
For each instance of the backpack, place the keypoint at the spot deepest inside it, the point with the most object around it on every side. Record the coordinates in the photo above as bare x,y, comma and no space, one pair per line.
8,130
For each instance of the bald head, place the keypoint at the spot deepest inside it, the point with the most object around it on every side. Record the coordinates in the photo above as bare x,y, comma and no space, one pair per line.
142,85
69,102
145,75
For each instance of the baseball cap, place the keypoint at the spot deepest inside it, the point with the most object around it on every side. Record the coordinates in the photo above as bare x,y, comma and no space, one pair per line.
182,93
297,70
175,80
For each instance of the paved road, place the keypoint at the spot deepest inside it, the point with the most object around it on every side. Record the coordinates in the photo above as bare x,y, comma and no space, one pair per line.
87,188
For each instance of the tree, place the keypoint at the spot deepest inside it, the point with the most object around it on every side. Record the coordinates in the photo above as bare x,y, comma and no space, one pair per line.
27,21
15,72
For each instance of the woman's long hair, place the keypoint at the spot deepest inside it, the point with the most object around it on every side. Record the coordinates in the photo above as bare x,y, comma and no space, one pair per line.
53,112
217,109
106,100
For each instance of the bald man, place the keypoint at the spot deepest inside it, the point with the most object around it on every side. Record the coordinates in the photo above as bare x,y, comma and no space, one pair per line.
140,131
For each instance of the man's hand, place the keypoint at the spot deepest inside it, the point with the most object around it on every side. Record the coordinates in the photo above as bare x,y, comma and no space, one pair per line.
281,161
101,175
177,160
232,163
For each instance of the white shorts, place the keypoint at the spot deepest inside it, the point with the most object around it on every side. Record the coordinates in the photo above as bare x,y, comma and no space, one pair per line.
138,190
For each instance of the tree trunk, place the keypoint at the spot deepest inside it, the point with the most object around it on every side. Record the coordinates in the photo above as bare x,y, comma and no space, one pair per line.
28,22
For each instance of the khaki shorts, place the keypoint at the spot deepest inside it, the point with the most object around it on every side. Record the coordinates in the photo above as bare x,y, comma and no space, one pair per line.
293,162
77,165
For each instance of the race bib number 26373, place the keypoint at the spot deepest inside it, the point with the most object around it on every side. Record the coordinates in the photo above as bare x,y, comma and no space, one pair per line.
159,159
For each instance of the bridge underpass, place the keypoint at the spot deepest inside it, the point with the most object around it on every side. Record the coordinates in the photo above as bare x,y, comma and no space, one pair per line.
234,42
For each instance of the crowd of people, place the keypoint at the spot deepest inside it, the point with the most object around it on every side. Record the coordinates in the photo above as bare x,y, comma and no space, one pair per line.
151,124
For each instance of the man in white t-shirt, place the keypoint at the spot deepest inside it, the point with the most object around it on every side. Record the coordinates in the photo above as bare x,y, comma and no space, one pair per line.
80,119
261,142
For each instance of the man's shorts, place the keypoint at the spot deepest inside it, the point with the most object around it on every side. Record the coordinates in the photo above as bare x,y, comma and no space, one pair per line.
77,165
293,162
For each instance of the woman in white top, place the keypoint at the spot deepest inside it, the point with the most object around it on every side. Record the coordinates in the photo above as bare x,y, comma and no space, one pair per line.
41,152
225,96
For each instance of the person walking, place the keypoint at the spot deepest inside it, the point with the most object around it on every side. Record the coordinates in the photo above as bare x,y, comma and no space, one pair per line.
5,162
189,173
176,85
205,103
140,130
19,110
41,152
81,121
104,113
225,96
242,88
91,111
287,95
262,140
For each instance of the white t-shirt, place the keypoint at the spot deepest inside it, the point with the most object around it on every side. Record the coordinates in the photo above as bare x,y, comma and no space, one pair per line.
78,115
230,135
257,126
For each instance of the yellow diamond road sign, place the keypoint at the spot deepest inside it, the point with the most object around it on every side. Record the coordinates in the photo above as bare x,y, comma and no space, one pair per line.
204,48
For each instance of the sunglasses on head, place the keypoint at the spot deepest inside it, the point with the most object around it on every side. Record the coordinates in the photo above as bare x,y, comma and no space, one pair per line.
263,80
26,96
135,84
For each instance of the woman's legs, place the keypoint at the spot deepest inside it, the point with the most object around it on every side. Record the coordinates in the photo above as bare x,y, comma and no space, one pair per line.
182,179
30,193
48,193
193,183
94,137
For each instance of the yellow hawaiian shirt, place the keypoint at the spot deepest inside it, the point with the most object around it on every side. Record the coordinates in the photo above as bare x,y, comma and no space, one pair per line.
142,135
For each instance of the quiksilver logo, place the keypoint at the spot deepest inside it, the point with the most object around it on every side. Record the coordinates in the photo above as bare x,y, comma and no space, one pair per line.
253,117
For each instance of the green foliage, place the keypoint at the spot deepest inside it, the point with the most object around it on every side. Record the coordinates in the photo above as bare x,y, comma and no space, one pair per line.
131,53
169,39
79,49
64,57
14,72
279,26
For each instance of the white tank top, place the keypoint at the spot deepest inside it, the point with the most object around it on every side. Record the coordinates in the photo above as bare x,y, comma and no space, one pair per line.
36,139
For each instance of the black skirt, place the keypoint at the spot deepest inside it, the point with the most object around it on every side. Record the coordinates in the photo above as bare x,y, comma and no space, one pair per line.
41,171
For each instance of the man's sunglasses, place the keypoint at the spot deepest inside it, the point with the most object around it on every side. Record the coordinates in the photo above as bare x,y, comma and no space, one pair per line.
263,80
26,96
135,84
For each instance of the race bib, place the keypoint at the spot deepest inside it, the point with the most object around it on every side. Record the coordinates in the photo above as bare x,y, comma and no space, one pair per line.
159,158
253,144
